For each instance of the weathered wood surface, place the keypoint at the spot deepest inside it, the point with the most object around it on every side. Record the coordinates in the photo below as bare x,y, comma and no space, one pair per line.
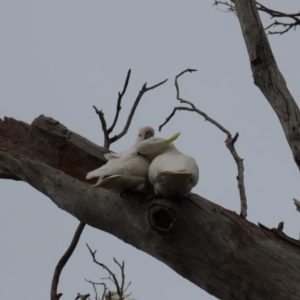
267,76
211,246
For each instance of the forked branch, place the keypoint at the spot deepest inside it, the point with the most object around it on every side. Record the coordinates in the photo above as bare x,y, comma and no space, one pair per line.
119,287
107,131
94,286
274,14
230,141
295,20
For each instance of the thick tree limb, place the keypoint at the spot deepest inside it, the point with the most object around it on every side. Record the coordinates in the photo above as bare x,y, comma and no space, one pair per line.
5,174
267,76
205,243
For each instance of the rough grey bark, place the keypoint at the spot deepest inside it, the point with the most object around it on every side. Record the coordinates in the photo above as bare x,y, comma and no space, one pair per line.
267,76
211,246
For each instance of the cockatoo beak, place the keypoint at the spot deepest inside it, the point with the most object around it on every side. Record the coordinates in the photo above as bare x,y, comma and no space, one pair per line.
172,138
127,295
154,145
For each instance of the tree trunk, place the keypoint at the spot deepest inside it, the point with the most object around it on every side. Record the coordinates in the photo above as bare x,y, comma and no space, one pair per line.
267,75
214,248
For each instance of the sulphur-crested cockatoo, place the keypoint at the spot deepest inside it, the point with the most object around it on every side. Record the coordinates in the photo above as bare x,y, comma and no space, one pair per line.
171,172
113,295
124,170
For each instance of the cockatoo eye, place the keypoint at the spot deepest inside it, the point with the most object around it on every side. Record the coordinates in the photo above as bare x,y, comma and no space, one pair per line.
148,135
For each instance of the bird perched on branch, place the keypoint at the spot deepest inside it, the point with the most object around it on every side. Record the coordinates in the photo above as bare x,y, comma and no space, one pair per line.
124,170
171,172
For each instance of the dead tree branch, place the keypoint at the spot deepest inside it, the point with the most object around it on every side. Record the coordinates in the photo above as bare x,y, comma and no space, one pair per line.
82,297
297,203
6,174
219,247
122,273
267,76
94,286
64,259
115,280
278,14
109,140
274,14
119,287
230,141
120,96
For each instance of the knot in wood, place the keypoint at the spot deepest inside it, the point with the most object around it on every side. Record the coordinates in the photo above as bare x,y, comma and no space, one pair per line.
161,218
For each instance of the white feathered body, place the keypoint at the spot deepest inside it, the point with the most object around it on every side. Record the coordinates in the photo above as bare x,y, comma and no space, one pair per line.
123,172
126,169
173,173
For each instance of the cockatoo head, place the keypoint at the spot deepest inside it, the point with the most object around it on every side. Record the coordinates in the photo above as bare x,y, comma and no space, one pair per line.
145,133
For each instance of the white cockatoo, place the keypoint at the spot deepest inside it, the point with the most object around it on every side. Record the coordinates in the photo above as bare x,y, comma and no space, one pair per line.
171,172
126,169
113,295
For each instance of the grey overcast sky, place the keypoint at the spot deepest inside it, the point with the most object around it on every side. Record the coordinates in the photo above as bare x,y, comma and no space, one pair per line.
59,58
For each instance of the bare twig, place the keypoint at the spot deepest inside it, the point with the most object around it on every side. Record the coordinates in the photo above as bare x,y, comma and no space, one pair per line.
115,280
273,14
297,203
119,287
108,278
82,297
230,141
104,127
279,14
230,5
120,96
94,286
127,286
122,273
136,102
106,131
64,259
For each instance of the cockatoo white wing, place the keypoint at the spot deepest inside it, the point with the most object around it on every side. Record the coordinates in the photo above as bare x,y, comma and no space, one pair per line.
124,170
123,175
111,156
113,166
